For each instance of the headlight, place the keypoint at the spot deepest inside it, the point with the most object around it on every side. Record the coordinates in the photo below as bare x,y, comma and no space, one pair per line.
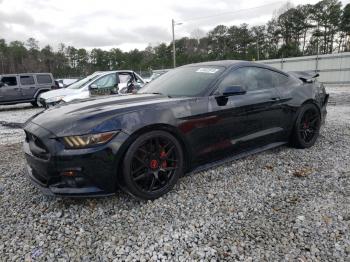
54,99
78,142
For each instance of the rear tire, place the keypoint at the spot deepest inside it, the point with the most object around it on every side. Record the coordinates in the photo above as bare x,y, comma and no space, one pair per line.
152,165
307,127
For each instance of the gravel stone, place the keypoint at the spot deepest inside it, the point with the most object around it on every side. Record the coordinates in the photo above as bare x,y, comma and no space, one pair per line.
251,209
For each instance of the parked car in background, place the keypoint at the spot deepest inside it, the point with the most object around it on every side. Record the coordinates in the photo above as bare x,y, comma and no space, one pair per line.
116,81
156,74
130,83
24,88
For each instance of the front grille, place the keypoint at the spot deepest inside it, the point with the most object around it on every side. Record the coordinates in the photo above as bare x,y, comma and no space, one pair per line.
37,147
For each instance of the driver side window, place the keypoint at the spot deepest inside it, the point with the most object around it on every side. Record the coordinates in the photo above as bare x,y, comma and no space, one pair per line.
250,78
234,78
107,81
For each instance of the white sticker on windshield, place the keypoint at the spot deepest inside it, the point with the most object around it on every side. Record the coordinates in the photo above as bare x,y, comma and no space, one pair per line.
207,70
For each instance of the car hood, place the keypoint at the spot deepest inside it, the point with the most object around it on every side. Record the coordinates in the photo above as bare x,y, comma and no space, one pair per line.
60,92
98,114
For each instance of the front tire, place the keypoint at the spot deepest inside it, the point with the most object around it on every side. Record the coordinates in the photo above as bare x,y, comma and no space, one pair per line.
152,165
35,103
307,127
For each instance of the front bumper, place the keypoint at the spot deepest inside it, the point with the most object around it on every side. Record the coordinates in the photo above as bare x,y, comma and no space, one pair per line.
95,169
52,190
46,104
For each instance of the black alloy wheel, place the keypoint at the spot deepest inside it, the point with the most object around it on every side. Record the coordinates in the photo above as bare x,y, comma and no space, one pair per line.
307,127
152,165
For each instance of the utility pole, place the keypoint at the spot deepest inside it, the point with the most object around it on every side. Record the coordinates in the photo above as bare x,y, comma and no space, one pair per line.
174,55
173,24
2,64
257,49
318,48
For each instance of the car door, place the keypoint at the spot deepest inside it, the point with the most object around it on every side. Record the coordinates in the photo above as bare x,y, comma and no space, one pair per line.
265,114
28,86
105,85
224,122
246,120
125,78
9,90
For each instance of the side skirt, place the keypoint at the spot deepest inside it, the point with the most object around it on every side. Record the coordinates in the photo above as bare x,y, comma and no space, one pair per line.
14,102
235,157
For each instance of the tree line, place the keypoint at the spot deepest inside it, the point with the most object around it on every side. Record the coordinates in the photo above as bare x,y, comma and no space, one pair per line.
293,31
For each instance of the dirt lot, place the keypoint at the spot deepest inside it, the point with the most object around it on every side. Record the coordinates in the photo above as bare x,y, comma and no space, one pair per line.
283,204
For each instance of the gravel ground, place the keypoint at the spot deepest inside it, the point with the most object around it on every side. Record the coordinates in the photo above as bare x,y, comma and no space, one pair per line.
14,114
283,204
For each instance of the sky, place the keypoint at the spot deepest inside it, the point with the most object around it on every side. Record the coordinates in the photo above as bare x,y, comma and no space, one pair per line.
126,24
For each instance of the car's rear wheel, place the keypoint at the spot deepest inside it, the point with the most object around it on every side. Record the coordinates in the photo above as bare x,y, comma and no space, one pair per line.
152,165
307,127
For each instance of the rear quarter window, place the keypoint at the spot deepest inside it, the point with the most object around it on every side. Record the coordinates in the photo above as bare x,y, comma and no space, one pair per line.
44,79
279,79
27,80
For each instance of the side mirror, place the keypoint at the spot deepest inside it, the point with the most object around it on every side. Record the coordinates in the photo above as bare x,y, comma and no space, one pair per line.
233,90
93,86
1,84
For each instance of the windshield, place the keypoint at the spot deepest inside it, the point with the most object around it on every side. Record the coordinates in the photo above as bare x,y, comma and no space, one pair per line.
184,81
80,83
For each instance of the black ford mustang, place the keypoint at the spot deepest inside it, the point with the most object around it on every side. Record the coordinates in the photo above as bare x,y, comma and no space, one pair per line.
190,117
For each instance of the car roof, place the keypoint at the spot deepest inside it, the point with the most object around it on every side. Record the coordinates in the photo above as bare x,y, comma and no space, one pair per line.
114,71
235,63
102,73
225,63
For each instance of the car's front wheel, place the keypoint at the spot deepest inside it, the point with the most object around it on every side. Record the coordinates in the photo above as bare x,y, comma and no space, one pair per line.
35,103
152,165
307,127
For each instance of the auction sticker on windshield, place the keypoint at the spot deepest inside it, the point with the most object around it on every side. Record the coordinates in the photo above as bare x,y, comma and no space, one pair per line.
207,70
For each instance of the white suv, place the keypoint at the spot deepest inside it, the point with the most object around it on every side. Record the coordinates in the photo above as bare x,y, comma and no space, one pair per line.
117,81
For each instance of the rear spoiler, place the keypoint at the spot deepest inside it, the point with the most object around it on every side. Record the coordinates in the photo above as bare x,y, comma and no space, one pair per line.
306,77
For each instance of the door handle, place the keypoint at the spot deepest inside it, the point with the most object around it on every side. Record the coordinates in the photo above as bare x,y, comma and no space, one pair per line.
32,87
275,98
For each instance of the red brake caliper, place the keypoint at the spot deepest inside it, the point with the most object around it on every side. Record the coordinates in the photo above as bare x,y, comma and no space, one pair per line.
154,164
